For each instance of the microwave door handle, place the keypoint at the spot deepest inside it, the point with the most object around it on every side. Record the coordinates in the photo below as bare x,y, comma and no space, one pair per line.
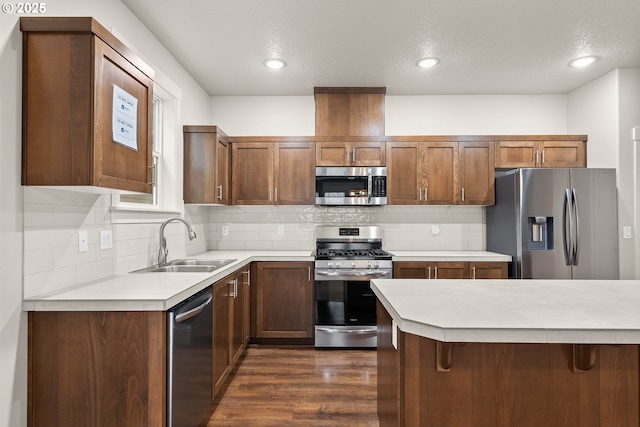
369,187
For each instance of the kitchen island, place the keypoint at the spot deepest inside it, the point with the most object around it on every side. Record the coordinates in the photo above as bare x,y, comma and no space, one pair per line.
491,353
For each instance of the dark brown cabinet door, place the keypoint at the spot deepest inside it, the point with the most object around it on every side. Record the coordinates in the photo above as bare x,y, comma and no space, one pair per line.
359,153
404,168
252,173
477,173
516,154
295,173
284,300
221,333
441,171
449,270
206,165
488,270
562,154
69,78
411,270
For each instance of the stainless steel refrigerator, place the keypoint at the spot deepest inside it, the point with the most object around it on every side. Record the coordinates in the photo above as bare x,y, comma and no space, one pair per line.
556,223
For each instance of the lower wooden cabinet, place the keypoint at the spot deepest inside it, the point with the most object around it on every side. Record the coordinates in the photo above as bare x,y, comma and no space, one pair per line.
449,270
96,368
230,324
283,299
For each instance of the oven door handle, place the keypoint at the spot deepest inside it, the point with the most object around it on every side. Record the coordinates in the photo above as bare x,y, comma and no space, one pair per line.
373,274
347,331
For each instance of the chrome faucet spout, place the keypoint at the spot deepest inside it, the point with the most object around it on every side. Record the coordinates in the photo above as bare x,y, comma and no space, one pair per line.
163,251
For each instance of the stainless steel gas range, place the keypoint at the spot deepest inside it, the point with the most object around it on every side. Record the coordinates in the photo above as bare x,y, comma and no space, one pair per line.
346,259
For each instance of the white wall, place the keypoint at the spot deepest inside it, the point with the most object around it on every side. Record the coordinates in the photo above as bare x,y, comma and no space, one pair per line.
476,115
404,115
607,109
82,212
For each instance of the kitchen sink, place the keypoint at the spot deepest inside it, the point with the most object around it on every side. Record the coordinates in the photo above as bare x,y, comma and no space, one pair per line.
217,263
187,266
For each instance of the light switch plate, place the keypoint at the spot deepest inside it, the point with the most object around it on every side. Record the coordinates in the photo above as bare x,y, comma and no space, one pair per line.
626,232
280,230
225,230
83,241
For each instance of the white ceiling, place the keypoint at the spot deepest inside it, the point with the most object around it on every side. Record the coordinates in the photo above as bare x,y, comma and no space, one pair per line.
485,46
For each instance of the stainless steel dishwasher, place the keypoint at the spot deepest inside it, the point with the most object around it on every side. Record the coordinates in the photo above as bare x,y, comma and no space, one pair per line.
189,360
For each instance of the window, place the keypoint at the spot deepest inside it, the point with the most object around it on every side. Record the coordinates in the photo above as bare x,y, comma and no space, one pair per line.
166,137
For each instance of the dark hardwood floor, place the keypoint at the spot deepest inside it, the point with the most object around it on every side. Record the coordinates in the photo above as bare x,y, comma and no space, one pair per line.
300,387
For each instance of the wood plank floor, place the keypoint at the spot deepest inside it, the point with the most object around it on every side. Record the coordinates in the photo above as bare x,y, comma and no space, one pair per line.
300,387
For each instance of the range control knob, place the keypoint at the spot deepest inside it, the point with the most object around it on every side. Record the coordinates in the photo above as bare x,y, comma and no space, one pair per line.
354,264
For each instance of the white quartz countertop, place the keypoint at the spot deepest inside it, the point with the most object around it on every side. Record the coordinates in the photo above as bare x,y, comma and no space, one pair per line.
161,291
151,291
475,256
526,311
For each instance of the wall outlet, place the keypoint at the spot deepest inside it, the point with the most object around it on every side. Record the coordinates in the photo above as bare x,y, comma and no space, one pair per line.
280,230
626,232
225,230
106,239
83,241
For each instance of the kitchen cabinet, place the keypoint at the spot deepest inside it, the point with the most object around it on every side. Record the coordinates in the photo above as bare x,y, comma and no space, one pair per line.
230,323
449,270
283,299
540,154
349,111
75,75
344,153
206,165
273,173
440,173
477,173
97,368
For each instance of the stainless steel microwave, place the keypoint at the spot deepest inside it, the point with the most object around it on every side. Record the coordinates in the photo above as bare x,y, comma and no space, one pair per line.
351,186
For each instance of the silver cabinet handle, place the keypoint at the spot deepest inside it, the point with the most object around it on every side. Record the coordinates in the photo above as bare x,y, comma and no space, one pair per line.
429,273
543,156
353,155
234,293
248,273
419,194
269,195
536,157
463,194
435,269
220,190
474,272
276,196
309,278
426,194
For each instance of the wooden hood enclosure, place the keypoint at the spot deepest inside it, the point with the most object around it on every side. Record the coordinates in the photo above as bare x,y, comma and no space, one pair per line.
349,111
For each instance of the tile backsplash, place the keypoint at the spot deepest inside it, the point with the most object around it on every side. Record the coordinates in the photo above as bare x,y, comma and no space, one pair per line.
53,218
293,227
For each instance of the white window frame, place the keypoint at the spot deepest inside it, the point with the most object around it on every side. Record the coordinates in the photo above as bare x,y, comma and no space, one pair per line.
168,173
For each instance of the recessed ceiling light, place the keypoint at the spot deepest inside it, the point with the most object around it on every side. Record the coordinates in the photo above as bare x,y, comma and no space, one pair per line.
583,61
427,62
274,63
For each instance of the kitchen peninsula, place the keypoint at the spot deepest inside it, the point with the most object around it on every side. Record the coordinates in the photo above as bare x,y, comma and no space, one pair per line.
504,353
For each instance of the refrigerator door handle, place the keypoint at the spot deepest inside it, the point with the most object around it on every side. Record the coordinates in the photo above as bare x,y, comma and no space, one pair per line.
567,229
576,235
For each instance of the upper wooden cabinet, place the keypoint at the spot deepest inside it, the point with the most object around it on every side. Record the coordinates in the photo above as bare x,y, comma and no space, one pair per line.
206,165
273,173
77,79
344,153
540,154
440,173
477,173
349,111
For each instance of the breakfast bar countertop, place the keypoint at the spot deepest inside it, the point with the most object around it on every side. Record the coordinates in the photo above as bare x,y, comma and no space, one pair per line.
517,311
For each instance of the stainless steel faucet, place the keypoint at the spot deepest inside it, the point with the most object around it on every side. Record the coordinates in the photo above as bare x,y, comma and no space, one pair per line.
163,252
